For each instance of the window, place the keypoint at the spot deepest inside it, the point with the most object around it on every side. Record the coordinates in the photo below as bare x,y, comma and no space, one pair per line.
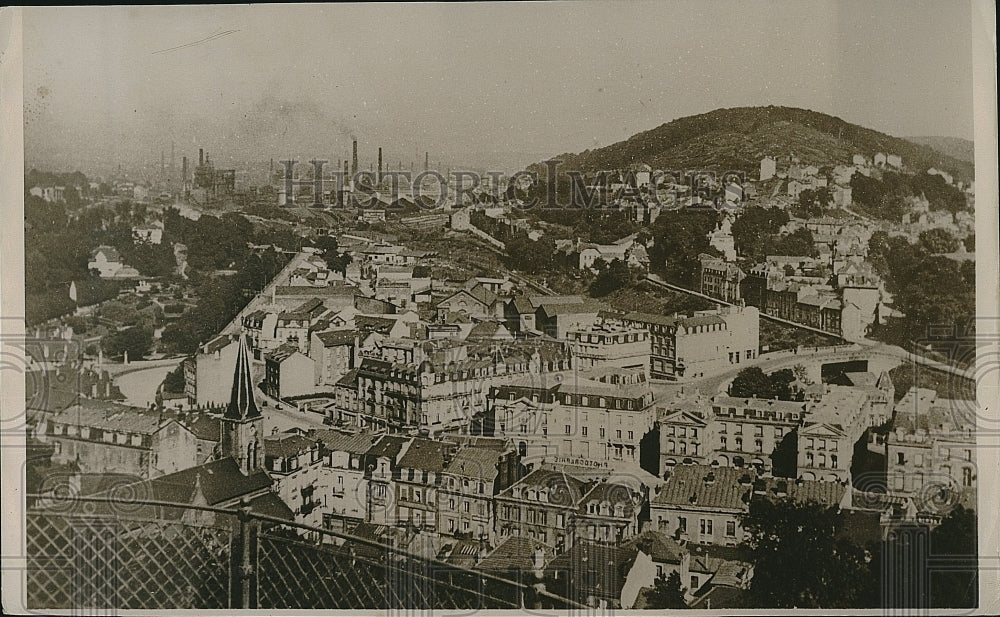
918,460
739,443
694,433
758,445
671,446
722,429
684,447
705,526
966,476
683,432
810,443
416,495
900,458
739,429
723,443
758,431
897,483
778,433
822,460
631,435
968,455
451,524
731,529
833,461
583,431
467,506
618,434
560,520
833,446
569,429
451,504
945,452
682,523
694,583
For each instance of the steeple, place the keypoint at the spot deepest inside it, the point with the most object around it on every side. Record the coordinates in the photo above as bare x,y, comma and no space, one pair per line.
242,405
242,423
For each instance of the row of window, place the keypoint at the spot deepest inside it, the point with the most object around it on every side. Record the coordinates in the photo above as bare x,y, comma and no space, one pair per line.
758,445
820,460
820,444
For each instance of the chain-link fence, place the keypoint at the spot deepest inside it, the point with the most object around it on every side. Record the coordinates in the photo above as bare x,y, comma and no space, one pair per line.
184,557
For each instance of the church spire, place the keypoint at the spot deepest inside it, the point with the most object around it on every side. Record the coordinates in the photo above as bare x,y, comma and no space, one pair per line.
242,405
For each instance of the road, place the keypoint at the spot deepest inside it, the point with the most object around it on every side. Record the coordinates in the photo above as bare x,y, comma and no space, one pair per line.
140,384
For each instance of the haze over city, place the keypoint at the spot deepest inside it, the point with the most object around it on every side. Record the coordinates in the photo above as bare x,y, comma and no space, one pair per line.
474,85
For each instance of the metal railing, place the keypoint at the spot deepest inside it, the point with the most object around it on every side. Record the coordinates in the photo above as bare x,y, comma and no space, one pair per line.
102,554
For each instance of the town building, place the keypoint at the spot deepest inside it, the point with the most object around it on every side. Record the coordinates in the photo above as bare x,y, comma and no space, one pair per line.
208,374
698,345
294,462
465,498
608,345
598,415
720,278
931,453
109,265
288,372
104,437
703,504
333,353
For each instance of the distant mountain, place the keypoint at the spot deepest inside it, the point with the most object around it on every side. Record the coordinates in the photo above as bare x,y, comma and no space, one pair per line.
736,139
955,147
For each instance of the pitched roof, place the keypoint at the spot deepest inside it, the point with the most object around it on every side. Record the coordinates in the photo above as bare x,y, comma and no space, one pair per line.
336,337
425,455
336,441
474,462
388,446
242,405
658,545
220,482
287,445
801,491
516,552
690,486
598,569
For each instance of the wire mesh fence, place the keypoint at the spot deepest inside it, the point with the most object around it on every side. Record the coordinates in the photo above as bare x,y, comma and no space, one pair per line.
234,559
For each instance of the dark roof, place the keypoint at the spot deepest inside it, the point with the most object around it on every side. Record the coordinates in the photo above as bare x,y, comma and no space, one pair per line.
221,482
516,552
242,405
337,441
801,491
425,455
661,547
204,426
287,445
336,337
309,290
473,462
687,486
550,479
598,569
388,446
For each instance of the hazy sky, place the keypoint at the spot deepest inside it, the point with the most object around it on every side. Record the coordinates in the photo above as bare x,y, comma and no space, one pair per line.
475,84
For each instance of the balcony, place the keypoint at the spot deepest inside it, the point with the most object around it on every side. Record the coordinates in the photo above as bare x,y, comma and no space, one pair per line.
99,555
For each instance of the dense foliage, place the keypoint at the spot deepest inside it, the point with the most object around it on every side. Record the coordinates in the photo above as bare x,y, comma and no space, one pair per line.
679,236
755,229
753,382
801,559
886,198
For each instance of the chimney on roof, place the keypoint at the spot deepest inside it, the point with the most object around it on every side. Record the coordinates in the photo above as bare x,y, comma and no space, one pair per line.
354,159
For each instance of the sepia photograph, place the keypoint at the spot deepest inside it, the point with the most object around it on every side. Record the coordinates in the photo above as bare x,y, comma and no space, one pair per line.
567,308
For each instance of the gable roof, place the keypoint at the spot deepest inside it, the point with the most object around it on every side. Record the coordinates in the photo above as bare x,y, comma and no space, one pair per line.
424,455
516,552
333,338
689,486
474,462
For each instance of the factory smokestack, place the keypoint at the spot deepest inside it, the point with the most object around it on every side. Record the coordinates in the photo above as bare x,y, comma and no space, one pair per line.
379,177
427,161
354,160
201,157
184,169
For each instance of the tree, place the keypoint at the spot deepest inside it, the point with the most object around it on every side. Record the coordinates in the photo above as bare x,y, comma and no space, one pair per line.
938,240
135,340
754,230
680,236
799,242
667,592
752,381
801,561
613,276
531,256
956,536
335,260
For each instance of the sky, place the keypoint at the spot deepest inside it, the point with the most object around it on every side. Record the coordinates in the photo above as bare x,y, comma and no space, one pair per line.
476,85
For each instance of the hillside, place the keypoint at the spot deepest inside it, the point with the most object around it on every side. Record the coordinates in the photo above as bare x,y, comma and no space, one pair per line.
956,147
737,138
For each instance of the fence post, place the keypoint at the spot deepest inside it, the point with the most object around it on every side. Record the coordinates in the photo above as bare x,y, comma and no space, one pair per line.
246,568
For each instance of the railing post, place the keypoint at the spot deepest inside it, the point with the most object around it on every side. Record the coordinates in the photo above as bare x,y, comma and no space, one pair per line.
246,569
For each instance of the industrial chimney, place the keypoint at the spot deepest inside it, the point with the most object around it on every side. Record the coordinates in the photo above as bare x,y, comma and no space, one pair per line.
379,176
201,157
354,160
184,169
427,161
